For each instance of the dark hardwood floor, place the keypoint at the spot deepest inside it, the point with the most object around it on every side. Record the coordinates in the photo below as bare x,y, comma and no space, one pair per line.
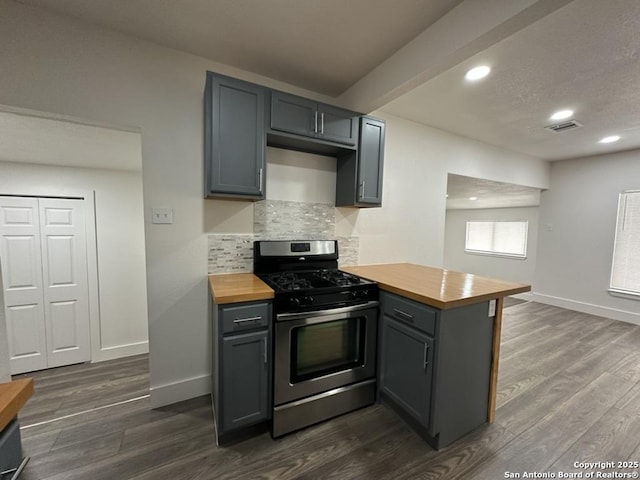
569,391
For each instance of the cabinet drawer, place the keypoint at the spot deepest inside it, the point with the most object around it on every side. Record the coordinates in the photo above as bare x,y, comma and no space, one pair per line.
409,312
244,316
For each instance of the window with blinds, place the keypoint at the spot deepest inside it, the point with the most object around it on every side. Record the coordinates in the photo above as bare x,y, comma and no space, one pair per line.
625,269
500,238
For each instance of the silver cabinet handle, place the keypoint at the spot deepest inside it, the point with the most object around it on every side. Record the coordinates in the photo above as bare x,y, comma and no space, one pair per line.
322,123
404,315
361,190
315,122
426,355
260,180
238,321
265,350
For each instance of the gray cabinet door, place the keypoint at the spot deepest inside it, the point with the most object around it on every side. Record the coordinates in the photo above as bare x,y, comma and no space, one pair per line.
294,114
245,379
370,161
406,367
302,116
234,138
337,125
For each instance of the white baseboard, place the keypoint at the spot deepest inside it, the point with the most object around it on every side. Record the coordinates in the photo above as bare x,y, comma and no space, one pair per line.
607,312
120,351
527,296
179,391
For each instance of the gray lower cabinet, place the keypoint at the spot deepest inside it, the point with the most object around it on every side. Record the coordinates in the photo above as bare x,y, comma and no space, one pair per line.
302,116
246,379
235,143
406,368
435,366
241,370
359,174
10,450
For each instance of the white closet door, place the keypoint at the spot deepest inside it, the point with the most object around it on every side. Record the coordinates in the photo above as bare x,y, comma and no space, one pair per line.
64,267
22,279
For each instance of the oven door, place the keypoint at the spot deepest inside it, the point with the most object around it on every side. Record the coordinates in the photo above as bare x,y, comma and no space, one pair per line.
319,351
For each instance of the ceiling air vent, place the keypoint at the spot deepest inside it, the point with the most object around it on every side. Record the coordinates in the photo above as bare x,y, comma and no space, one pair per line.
564,126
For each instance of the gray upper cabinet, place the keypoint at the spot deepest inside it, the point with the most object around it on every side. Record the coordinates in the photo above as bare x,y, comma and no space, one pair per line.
301,116
359,174
370,161
234,138
242,118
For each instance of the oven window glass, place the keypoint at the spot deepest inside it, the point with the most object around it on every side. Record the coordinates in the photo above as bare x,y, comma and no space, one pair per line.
325,348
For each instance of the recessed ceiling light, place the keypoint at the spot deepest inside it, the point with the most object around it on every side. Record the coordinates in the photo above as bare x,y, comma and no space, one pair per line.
477,73
610,139
473,198
562,115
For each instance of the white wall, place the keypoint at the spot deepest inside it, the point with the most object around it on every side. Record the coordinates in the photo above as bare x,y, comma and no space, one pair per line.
410,225
122,327
513,269
55,64
574,257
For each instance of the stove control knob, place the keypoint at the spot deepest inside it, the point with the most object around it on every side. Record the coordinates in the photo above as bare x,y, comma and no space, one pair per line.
295,302
354,295
308,300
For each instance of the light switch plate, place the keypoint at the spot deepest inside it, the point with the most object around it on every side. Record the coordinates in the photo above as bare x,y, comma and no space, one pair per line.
492,308
161,215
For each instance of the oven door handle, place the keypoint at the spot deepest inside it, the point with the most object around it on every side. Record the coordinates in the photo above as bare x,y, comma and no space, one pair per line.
330,311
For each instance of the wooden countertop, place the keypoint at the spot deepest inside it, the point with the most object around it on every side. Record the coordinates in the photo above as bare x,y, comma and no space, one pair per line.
13,396
434,286
238,287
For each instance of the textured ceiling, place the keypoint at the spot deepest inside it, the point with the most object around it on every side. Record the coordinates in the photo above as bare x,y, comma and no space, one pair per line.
320,45
584,57
489,194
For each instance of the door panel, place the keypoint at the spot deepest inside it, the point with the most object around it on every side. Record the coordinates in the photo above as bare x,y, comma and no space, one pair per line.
22,279
22,272
61,256
64,318
65,281
26,341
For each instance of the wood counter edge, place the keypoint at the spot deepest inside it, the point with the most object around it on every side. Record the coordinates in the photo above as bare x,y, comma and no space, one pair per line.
432,302
241,295
13,396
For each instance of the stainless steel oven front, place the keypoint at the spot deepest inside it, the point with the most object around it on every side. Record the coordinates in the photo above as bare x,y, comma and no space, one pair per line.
320,355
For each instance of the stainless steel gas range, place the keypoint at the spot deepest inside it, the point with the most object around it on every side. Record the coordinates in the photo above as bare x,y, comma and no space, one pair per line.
324,336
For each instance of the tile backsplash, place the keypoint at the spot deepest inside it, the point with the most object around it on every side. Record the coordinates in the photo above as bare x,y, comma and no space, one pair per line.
279,220
284,220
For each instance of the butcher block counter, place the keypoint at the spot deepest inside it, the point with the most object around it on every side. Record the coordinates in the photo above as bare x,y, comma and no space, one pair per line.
238,287
13,396
434,286
446,290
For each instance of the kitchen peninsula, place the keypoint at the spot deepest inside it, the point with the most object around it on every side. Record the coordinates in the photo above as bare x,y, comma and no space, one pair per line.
457,317
438,346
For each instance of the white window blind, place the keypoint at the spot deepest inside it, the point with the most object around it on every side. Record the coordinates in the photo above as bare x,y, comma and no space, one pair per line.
625,269
504,238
